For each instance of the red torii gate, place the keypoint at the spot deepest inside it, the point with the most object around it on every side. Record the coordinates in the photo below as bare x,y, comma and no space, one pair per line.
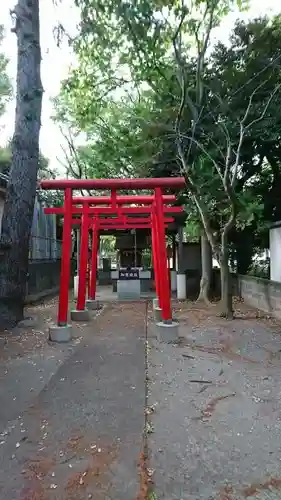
97,225
100,224
156,210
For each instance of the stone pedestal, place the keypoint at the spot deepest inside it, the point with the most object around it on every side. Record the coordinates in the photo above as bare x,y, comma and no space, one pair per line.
75,284
173,280
168,332
128,289
181,286
60,333
157,314
155,303
80,315
92,304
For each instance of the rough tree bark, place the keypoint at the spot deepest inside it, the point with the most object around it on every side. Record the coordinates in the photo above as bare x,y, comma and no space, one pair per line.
226,285
21,189
206,260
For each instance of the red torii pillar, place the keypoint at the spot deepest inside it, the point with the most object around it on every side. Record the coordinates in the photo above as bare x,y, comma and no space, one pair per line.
65,261
165,292
92,303
80,314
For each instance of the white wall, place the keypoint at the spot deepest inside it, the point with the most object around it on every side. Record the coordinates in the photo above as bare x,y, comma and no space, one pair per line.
275,253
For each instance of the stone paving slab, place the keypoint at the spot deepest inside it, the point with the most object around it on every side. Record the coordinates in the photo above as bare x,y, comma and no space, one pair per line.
216,424
28,361
105,294
81,437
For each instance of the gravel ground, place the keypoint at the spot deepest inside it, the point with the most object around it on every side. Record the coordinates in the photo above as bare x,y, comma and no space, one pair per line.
215,400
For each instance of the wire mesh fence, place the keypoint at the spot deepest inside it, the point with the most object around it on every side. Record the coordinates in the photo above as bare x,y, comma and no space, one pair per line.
43,248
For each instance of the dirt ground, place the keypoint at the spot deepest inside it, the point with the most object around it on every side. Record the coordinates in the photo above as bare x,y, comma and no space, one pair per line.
215,404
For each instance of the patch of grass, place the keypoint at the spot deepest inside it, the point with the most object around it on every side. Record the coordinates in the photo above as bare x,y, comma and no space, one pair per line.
152,496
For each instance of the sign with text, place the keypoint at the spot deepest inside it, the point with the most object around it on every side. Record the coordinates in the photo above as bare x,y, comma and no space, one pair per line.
129,274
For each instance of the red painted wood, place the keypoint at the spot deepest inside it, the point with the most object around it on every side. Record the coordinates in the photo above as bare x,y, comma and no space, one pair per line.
162,256
121,200
65,260
83,261
94,263
112,211
147,183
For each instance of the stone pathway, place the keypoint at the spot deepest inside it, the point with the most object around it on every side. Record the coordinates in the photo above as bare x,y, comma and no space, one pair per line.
80,436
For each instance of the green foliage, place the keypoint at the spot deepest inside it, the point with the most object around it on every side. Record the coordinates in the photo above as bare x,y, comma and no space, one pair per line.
125,45
6,159
51,198
122,140
116,147
260,267
5,83
107,245
125,95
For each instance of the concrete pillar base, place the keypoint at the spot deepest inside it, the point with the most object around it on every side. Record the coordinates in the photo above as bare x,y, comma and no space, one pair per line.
155,303
75,283
92,304
60,333
181,287
168,332
173,280
83,315
157,314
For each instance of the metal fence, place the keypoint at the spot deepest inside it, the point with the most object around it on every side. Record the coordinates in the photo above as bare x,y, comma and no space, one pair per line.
42,248
44,244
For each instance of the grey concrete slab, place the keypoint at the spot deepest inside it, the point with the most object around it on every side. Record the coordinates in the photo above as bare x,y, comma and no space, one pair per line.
60,333
105,294
167,331
157,311
216,425
82,435
80,315
128,289
93,305
28,361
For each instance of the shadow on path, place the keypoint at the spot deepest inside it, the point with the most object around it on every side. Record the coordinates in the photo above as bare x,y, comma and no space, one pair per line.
82,436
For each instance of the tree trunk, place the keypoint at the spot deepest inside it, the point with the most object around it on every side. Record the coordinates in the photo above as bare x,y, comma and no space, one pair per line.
226,285
244,245
21,188
206,259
